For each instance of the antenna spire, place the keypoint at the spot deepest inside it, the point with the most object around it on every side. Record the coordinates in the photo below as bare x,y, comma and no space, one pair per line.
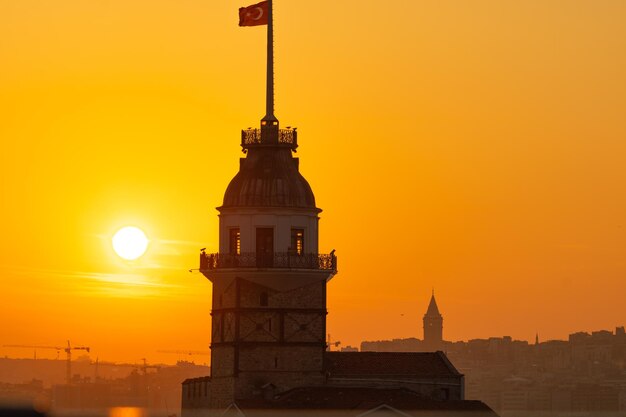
269,99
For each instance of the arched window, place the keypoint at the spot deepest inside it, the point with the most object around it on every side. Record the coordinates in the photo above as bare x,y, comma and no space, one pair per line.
263,299
297,241
234,244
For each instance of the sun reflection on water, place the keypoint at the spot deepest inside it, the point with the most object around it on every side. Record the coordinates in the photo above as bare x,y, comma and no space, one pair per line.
127,412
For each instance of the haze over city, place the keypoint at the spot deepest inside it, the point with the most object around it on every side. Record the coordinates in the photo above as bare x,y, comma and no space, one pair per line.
474,148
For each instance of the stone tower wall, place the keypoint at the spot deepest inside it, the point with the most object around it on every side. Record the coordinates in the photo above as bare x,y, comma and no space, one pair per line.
266,337
433,332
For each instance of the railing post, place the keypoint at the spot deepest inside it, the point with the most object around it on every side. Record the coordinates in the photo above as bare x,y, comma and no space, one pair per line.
203,261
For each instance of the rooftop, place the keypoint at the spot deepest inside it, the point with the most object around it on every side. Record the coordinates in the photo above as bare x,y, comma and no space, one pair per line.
433,310
424,364
362,398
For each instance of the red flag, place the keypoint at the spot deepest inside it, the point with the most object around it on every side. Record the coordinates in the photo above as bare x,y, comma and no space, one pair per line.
254,15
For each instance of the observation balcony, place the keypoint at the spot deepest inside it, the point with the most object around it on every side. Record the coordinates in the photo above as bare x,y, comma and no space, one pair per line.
269,136
284,260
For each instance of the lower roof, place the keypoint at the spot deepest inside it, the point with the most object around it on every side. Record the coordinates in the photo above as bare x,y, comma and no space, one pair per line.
361,398
414,364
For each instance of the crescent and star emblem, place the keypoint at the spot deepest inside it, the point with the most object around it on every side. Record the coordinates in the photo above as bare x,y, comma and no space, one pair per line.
259,16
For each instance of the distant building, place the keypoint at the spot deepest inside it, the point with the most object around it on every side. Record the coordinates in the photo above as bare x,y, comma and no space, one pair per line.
158,390
395,345
433,326
585,375
24,394
349,349
433,335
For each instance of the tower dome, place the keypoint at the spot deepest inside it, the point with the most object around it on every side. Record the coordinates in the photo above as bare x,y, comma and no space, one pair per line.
269,177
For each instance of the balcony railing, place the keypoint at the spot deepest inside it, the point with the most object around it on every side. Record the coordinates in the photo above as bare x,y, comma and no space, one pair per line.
252,137
288,136
210,261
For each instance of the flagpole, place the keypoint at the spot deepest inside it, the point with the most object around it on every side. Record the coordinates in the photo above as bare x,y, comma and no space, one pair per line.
269,99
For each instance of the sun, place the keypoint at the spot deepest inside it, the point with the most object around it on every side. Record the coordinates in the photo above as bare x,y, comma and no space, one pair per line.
130,242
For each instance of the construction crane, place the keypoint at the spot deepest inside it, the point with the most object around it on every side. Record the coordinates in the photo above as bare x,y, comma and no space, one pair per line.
144,368
329,343
68,350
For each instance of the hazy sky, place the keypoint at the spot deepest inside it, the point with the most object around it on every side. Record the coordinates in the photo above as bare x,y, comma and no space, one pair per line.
477,147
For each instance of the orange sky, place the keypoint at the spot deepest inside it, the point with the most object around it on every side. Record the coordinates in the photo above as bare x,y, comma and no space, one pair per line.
477,147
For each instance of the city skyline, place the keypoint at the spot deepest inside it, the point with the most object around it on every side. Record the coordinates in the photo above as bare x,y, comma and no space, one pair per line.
495,182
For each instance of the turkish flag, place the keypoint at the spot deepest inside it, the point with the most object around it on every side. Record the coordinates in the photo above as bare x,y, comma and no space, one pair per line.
254,15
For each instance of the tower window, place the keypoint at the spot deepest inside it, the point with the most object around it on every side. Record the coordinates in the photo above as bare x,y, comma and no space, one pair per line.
297,241
275,362
263,299
234,247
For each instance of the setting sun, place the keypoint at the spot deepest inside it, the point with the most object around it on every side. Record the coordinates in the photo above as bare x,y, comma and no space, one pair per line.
130,243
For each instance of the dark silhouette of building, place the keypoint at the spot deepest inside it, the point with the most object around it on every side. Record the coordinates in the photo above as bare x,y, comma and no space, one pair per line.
269,280
96,386
268,330
585,375
433,326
